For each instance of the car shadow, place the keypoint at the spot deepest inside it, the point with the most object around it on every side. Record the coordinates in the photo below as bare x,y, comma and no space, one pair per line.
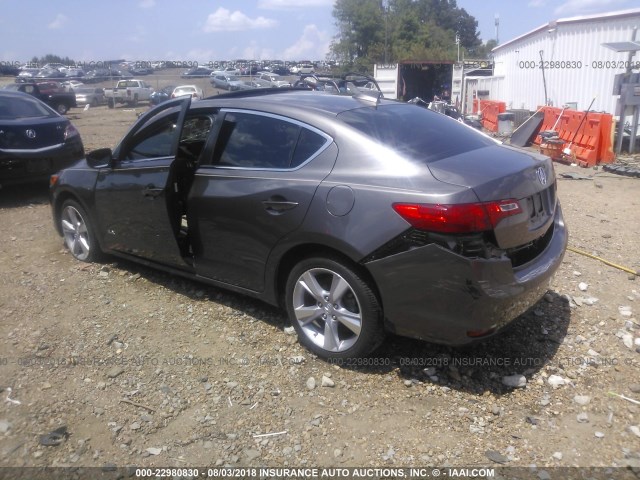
13,196
529,344
244,307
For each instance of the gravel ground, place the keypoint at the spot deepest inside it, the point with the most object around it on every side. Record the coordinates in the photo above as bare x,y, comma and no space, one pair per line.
147,369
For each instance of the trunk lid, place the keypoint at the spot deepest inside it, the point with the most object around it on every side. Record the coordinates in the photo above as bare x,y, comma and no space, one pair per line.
500,173
26,134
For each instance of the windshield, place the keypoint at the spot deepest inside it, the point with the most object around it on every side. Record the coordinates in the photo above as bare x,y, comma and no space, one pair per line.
15,107
415,132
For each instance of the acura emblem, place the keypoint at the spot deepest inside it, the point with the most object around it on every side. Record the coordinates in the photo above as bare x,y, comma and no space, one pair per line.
30,133
542,175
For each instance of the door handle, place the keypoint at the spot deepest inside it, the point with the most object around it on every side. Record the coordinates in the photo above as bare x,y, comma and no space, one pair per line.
276,207
152,191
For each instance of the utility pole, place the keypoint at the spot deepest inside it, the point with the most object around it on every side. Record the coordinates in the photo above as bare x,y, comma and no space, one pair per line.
385,6
497,22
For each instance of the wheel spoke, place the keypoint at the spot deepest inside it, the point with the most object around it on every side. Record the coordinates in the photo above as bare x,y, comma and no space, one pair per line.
339,287
351,320
82,228
84,245
68,227
73,216
331,339
311,285
307,314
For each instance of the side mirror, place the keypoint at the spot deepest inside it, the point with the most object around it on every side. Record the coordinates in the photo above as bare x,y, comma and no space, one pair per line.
101,157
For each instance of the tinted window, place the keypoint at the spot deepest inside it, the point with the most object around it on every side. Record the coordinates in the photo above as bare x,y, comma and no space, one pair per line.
308,144
255,141
157,141
22,108
415,132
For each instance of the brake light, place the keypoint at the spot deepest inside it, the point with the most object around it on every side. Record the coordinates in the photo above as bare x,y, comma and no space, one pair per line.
460,218
70,132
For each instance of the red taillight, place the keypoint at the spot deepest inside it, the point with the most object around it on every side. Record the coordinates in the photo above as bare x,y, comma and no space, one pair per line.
461,218
70,132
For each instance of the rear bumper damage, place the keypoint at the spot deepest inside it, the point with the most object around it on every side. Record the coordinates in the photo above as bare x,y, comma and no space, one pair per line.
433,294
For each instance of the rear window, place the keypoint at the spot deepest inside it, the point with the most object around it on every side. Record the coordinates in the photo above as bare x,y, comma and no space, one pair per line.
15,107
415,132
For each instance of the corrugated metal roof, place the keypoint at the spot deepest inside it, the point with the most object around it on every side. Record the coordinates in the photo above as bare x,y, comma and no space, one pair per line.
633,12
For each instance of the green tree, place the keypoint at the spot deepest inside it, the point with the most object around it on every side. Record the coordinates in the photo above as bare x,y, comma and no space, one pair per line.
378,31
50,58
484,50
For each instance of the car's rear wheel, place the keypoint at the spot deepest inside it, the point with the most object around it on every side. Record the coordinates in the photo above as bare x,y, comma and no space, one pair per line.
333,309
61,108
94,102
77,231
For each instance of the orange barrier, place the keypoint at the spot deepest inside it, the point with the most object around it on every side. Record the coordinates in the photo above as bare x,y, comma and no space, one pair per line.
490,109
588,138
605,153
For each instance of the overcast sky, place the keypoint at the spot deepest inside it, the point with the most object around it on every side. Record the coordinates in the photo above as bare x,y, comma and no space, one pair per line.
201,30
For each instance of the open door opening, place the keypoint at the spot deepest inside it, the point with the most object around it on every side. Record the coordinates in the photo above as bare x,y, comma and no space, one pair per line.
193,138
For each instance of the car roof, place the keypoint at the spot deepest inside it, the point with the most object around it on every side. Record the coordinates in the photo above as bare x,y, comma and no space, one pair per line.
281,100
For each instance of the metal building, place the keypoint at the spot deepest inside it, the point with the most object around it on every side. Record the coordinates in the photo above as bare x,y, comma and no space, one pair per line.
577,67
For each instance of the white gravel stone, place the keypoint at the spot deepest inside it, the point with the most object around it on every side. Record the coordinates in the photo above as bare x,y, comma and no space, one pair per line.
327,382
583,286
582,399
153,451
514,381
635,430
556,380
311,383
557,455
5,426
625,310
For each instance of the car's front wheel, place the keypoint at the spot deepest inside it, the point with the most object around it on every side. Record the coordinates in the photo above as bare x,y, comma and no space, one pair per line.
77,231
333,308
61,108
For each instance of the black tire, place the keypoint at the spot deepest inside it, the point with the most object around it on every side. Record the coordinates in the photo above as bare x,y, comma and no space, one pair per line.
111,103
94,102
78,233
61,108
348,325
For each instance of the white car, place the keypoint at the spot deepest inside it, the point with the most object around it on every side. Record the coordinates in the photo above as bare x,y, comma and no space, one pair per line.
70,85
229,71
274,80
303,68
193,90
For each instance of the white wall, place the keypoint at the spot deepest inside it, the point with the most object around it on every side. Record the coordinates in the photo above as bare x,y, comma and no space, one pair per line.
569,41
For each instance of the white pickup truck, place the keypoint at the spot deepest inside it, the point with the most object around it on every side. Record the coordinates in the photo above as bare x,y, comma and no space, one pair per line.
129,92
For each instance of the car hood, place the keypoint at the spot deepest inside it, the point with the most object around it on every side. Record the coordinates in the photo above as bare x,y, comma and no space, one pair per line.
496,172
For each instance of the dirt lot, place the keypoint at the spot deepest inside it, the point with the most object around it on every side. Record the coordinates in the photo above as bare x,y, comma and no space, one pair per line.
148,369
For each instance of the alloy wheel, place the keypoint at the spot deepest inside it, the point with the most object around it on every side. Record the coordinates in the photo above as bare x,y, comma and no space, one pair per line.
327,309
